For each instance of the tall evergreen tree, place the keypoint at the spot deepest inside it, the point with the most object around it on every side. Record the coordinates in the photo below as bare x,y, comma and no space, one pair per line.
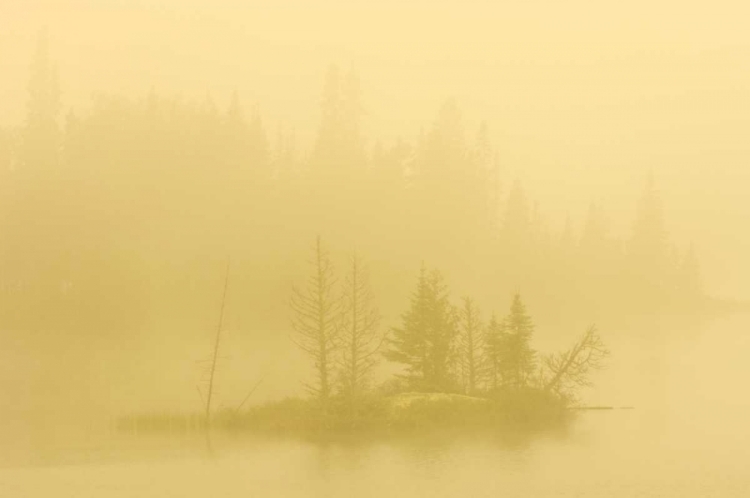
488,170
443,180
651,268
338,148
648,245
425,342
519,358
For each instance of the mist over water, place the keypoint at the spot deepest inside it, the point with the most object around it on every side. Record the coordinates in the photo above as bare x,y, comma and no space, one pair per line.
685,436
289,219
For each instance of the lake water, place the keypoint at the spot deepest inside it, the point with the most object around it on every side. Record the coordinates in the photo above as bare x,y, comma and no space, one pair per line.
687,436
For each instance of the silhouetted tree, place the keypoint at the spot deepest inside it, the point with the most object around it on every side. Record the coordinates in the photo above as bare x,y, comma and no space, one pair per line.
494,345
648,244
448,185
571,369
519,359
425,341
360,340
316,321
470,340
338,148
215,353
488,170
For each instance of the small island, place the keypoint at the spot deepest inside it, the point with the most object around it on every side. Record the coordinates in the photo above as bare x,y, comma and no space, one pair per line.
456,370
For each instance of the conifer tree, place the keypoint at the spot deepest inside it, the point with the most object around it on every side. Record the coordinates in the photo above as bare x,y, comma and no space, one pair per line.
338,147
408,344
651,270
648,243
519,358
425,340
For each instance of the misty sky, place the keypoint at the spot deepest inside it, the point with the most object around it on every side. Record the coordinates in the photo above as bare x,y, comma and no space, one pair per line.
583,98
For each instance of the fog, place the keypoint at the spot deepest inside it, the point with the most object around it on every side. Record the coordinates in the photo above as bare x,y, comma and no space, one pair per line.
591,159
581,99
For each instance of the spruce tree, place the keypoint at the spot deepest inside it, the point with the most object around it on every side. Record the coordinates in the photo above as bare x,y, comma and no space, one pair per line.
425,342
519,358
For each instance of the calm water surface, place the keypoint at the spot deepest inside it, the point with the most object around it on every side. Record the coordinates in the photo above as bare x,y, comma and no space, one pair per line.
687,437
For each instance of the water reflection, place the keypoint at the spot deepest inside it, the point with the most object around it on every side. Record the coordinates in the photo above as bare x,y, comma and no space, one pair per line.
686,437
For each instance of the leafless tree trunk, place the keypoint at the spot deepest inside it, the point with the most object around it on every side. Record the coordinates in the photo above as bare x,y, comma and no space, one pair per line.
216,348
470,341
571,369
359,333
214,358
315,320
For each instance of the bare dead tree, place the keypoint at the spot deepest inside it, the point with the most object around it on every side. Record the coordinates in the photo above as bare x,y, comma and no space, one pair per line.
216,348
244,400
316,319
571,369
470,333
494,345
360,339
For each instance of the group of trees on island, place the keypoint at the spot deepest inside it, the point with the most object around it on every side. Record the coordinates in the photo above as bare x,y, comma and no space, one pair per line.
442,347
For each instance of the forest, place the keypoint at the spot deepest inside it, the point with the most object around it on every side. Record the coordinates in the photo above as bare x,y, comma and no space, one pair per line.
128,209
133,187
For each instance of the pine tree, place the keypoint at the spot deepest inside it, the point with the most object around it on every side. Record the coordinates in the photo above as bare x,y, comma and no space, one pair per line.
651,268
316,321
519,358
408,343
338,148
649,238
425,342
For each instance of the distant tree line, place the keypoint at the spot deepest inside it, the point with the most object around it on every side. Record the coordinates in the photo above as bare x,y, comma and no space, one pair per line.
95,203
